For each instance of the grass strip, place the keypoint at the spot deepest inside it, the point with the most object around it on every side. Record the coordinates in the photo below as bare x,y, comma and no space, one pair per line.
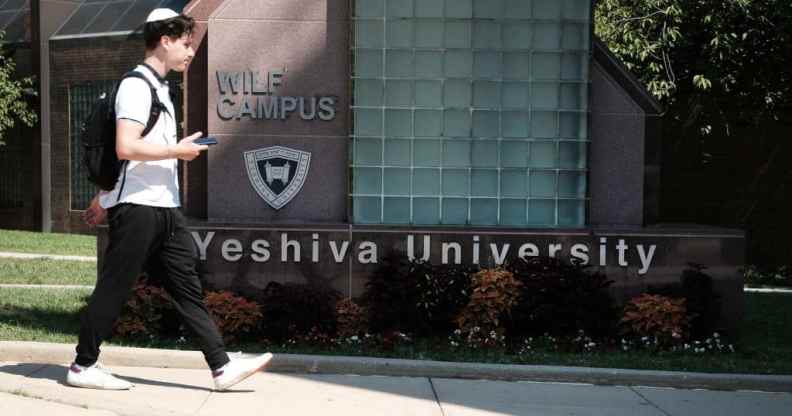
47,243
47,272
46,315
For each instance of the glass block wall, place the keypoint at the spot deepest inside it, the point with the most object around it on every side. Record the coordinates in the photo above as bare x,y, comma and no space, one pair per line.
470,112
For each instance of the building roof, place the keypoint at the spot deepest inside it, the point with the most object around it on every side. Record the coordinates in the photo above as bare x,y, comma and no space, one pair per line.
96,18
14,20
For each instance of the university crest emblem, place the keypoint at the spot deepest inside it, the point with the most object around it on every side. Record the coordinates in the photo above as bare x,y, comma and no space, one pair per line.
277,173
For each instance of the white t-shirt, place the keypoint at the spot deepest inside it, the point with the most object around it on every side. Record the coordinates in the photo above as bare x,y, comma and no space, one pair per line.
147,183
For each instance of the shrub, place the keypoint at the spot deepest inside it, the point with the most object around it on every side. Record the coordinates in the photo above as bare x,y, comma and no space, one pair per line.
494,292
313,337
655,316
390,340
351,319
392,294
415,296
442,294
143,312
755,276
292,309
701,301
232,314
560,298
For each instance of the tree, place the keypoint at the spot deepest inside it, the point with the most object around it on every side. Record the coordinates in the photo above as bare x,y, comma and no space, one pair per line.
13,93
723,70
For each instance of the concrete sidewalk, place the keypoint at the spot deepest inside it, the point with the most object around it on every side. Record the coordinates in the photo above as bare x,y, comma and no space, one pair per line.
40,256
168,391
176,383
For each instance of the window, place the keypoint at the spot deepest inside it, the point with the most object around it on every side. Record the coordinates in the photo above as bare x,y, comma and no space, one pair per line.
470,112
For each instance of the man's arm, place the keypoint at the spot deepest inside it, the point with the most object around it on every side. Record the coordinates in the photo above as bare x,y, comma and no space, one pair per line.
130,147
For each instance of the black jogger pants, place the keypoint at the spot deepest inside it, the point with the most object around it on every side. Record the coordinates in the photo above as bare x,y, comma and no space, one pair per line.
141,236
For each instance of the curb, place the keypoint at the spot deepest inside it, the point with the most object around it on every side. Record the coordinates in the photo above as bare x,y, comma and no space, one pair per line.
50,353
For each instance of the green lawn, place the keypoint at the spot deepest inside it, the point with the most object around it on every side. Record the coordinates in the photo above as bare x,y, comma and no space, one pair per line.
764,347
47,243
47,272
48,315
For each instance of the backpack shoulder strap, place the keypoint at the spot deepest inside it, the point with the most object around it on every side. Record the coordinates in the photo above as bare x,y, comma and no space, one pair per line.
156,105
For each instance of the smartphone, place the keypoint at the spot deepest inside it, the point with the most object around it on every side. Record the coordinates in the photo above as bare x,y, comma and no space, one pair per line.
206,140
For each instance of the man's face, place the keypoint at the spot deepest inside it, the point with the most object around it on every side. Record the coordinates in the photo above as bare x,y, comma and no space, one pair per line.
180,52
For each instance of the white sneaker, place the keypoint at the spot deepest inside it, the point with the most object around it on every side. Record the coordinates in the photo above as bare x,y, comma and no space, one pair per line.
95,377
239,369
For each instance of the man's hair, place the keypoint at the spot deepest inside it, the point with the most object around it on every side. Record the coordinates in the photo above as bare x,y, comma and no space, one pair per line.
174,27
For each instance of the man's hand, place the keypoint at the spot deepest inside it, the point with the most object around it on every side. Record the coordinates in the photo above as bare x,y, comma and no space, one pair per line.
187,150
94,214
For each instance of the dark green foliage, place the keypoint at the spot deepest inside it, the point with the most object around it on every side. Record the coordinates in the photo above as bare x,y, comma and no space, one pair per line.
722,70
415,297
781,276
703,304
442,294
291,309
16,94
392,294
560,298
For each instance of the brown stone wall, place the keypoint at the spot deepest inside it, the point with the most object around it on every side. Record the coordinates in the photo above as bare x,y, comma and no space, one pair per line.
308,41
194,175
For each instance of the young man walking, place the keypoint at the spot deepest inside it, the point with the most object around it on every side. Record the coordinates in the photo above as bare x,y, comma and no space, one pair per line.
146,228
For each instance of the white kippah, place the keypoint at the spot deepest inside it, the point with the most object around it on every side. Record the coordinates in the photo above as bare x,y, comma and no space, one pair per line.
160,14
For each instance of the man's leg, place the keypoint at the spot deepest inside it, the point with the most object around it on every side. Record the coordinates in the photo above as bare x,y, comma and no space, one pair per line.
132,232
177,259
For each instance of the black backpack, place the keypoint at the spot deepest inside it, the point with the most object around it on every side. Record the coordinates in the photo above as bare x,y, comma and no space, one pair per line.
98,134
